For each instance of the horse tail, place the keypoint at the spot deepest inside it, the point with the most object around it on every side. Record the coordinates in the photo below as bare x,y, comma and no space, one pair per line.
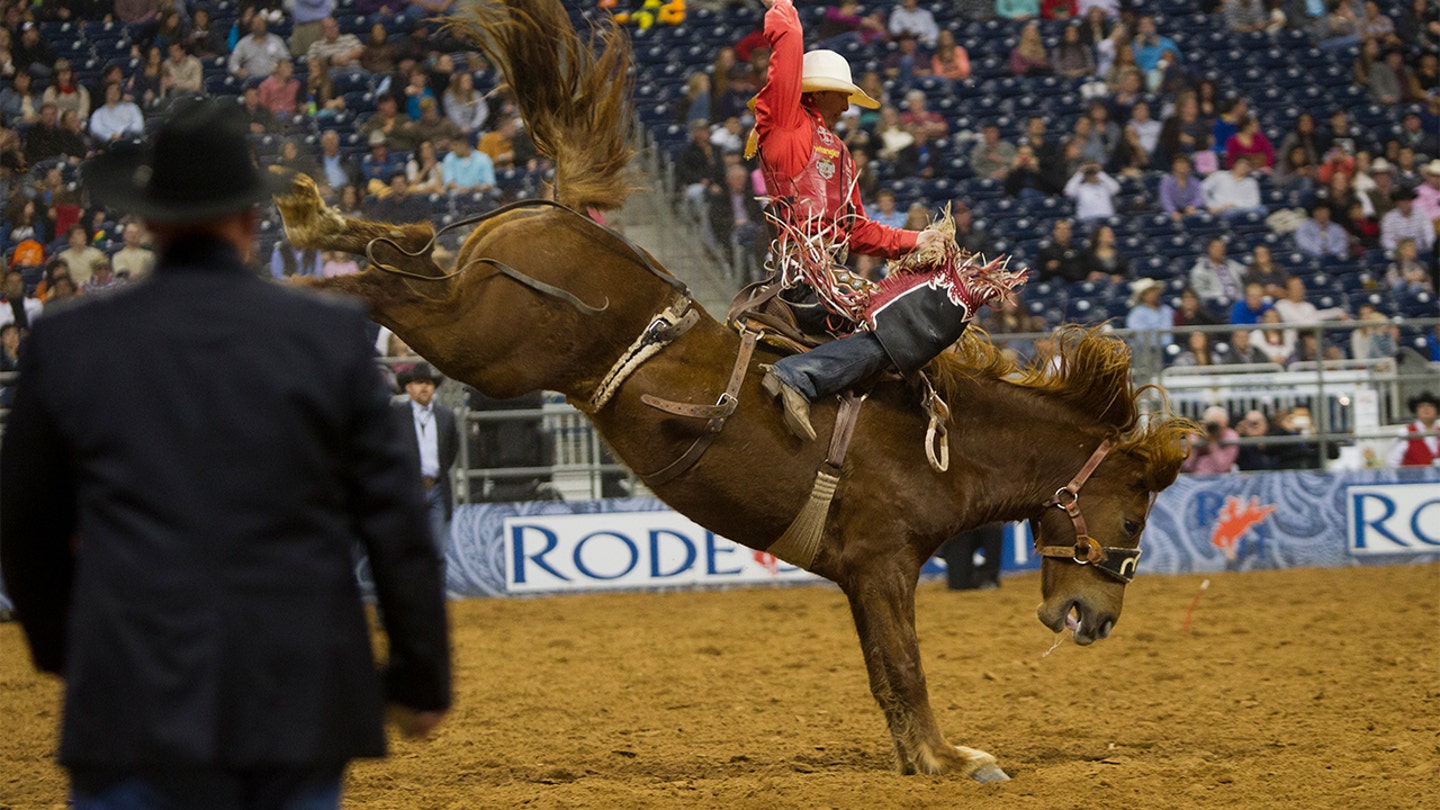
574,95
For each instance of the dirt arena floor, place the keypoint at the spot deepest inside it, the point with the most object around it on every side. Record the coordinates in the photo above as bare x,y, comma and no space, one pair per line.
1306,688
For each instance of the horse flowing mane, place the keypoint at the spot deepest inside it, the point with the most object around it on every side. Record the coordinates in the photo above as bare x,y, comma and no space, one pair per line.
1088,371
573,95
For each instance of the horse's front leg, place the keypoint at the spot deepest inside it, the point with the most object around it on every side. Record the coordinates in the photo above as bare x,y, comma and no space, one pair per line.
310,223
883,604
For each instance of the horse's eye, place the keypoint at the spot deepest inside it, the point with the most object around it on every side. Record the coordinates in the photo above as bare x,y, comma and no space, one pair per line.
1132,528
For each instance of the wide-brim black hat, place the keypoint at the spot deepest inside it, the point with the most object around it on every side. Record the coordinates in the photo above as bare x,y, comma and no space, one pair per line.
1415,402
198,167
420,371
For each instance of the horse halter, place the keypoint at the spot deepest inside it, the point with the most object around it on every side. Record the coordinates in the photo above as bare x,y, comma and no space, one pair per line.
1117,562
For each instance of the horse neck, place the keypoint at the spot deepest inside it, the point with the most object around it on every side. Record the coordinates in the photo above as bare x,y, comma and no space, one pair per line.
1016,446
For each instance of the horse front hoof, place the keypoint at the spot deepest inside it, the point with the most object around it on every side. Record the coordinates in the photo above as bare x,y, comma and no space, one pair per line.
989,773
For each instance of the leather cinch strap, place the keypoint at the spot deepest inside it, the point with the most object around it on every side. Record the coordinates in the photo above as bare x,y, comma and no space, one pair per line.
715,415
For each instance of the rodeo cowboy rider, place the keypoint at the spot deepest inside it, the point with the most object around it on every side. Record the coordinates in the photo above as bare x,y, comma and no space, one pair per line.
810,179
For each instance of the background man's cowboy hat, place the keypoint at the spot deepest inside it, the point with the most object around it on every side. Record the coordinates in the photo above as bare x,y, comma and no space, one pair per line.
198,167
417,373
827,70
1139,287
1415,402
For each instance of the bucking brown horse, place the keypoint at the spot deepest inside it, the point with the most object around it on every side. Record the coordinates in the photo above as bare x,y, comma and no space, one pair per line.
541,297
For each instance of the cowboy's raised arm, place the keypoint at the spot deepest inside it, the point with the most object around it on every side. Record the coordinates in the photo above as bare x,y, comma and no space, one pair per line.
779,119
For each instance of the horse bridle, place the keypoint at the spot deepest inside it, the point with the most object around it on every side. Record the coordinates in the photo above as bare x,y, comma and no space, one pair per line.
1117,562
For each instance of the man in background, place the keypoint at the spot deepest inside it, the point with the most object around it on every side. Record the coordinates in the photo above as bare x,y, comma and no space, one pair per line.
182,556
431,435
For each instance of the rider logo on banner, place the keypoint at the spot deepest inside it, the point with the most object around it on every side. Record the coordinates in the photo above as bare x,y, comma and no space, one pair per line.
1234,522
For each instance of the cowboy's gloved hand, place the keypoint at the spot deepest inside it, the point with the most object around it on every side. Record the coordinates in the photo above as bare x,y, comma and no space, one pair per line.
930,238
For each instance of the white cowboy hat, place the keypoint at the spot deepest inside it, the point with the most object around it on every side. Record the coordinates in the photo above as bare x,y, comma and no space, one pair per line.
1381,166
1433,167
1139,287
827,70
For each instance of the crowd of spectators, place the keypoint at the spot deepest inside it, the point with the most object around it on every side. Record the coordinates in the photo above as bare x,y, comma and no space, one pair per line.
393,118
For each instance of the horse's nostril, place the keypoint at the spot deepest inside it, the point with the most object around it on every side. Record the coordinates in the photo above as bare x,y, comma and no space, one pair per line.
1106,626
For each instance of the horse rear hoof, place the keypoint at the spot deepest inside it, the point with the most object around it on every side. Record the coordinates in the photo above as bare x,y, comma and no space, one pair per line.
989,773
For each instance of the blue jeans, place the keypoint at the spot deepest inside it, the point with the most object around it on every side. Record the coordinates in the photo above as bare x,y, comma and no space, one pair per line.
439,526
833,367
180,788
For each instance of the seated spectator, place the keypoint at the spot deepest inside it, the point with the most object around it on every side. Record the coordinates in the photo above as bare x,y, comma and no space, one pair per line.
1149,45
182,72
1181,194
16,307
116,119
967,235
78,255
337,170
917,217
203,39
466,106
1410,450
259,119
1146,127
417,88
337,49
1265,272
992,157
1294,309
1233,111
256,54
1197,352
1249,141
1062,259
288,261
1407,274
280,92
1093,192
379,165
1129,159
1319,236
1414,134
1059,9
1241,351
103,278
1338,28
1254,457
1363,229
1102,261
1233,192
729,136
467,170
379,54
1406,221
1216,452
844,24
1018,9
897,145
1382,175
432,127
1216,277
1376,27
19,103
910,18
906,62
1149,313
134,260
396,203
296,160
1026,179
1295,170
388,120
1251,307
1377,340
338,264
950,61
1277,344
423,173
1072,58
1193,312
1427,194
1244,16
925,125
885,211
736,218
1028,57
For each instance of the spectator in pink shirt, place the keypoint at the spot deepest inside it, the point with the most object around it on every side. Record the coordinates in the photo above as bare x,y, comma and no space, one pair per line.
280,90
1216,452
1249,141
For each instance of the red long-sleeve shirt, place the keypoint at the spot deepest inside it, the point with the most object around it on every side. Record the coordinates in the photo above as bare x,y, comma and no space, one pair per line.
786,130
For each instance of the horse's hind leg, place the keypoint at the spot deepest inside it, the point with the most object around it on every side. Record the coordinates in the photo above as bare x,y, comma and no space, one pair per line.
883,603
310,223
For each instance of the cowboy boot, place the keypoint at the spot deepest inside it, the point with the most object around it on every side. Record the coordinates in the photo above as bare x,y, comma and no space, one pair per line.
797,407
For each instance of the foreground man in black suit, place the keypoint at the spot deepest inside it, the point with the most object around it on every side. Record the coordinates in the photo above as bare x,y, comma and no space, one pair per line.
188,465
